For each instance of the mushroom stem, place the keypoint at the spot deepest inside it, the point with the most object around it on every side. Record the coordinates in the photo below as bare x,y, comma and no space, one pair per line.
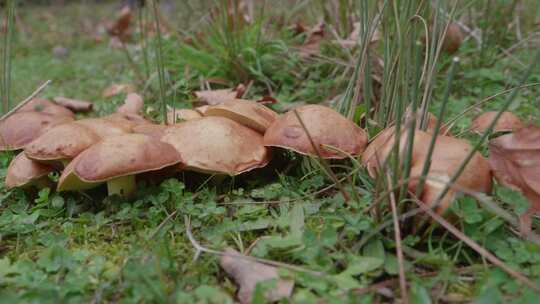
124,186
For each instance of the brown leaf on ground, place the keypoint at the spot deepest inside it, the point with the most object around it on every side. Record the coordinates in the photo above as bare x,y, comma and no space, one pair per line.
354,37
120,27
215,97
515,161
507,122
133,104
116,89
312,43
248,273
74,105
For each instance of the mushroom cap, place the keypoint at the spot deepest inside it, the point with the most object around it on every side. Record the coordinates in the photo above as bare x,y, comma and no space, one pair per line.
114,157
507,122
153,130
45,106
453,39
107,126
61,142
22,171
217,145
21,128
248,113
325,126
174,115
447,157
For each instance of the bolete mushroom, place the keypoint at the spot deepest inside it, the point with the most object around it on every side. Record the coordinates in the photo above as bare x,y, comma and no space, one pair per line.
447,156
326,127
248,113
508,122
23,172
217,145
21,128
66,141
115,161
45,106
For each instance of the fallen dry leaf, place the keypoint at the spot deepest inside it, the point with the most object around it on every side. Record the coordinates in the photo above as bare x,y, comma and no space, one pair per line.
120,27
214,97
74,105
507,122
354,37
515,161
247,274
133,104
312,43
116,89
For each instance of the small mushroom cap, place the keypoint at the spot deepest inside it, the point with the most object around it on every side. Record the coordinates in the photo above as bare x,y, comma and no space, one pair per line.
325,126
21,128
248,113
114,157
507,122
453,39
217,145
61,142
177,115
45,106
22,171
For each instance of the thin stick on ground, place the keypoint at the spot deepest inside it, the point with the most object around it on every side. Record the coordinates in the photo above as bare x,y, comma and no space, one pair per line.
399,251
27,100
476,247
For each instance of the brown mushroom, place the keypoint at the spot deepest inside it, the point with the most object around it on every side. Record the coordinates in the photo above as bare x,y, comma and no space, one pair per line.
116,161
217,145
133,104
248,113
448,155
23,172
327,128
453,39
515,160
21,128
66,141
508,122
45,106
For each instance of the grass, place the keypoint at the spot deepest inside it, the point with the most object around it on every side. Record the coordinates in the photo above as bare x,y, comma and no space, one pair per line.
92,248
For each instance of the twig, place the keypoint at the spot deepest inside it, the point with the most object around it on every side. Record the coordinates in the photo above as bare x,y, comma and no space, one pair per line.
399,251
27,100
200,249
476,247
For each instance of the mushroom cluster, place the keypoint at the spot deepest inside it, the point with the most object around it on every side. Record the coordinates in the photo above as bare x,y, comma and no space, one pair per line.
228,138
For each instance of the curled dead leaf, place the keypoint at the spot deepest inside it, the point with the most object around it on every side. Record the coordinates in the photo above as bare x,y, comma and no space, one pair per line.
73,104
312,43
120,27
247,274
